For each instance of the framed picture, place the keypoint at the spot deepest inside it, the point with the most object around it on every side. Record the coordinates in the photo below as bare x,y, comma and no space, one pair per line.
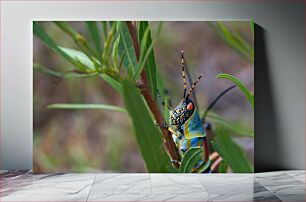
143,96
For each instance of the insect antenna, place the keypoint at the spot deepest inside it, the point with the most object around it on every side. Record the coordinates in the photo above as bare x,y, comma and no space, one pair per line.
210,106
193,85
183,73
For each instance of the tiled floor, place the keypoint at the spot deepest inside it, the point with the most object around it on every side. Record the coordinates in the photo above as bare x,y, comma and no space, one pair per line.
273,186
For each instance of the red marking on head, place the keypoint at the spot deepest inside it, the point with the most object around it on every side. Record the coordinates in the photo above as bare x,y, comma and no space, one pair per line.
190,106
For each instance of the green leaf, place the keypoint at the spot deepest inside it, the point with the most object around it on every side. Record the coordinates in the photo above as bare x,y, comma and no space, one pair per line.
82,58
79,59
252,27
243,89
69,75
79,56
222,167
161,90
95,35
115,52
142,50
86,106
190,158
231,152
233,40
148,136
147,58
40,33
112,82
172,169
104,29
126,47
234,127
79,40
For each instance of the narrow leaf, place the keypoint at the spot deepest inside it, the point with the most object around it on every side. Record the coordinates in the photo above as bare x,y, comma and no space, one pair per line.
86,106
243,89
40,33
79,56
233,40
252,27
234,127
231,152
104,29
222,167
41,68
95,36
147,59
83,59
112,82
79,40
79,59
148,136
126,47
190,158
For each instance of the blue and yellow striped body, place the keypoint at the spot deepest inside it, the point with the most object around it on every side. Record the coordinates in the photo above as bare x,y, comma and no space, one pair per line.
192,135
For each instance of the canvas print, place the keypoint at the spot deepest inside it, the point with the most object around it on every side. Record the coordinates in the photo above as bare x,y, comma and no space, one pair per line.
139,96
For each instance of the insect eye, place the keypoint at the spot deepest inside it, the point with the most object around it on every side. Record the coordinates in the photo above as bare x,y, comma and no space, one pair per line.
190,106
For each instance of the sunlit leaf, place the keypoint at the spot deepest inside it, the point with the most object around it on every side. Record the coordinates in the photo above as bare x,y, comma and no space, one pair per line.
85,60
79,56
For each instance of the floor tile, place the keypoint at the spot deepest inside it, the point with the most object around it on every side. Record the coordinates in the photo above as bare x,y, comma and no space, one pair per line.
150,197
287,186
245,198
111,184
48,184
220,184
12,184
292,197
176,184
298,175
282,184
258,189
43,198
266,197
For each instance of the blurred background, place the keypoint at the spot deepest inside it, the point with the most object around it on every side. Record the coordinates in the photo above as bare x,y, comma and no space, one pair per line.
98,140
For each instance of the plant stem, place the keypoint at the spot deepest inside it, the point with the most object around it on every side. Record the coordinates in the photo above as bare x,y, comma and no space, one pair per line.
168,143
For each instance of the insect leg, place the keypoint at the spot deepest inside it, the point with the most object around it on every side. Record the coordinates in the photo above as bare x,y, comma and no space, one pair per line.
175,162
165,126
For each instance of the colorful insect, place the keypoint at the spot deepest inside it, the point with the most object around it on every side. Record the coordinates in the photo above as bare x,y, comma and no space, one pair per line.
186,125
